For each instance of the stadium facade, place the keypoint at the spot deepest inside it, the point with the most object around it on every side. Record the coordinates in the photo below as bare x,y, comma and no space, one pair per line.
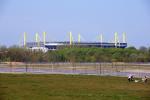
59,45
45,46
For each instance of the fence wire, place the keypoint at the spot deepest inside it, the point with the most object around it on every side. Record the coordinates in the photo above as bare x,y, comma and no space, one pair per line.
103,69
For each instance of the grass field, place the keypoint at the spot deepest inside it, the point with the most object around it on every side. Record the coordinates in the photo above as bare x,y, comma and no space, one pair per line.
70,87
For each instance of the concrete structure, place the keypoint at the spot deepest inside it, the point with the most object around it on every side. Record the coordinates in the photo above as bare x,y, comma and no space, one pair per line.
58,45
45,46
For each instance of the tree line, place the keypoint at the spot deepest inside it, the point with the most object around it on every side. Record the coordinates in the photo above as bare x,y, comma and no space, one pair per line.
76,54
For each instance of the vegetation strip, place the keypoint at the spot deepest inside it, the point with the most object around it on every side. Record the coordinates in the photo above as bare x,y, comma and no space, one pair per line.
66,87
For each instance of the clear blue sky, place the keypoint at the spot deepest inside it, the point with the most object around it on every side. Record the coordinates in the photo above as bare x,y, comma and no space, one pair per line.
88,17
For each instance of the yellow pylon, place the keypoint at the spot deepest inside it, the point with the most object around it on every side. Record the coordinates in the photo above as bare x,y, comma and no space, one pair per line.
44,38
124,37
71,38
24,42
37,39
79,38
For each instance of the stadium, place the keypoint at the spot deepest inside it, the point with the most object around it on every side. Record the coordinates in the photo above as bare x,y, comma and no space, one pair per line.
45,46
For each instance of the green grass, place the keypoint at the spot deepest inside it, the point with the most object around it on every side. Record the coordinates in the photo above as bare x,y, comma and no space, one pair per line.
70,87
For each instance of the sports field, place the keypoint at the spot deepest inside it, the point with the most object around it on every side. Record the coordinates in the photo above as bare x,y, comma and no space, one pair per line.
70,87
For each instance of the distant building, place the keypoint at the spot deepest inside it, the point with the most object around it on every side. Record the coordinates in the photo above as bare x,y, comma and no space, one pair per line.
58,45
45,46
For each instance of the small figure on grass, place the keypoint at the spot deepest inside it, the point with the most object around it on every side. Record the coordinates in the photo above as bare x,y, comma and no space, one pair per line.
144,79
130,78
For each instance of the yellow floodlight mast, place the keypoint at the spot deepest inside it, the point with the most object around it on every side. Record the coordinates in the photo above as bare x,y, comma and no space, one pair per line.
24,42
79,38
44,38
71,38
116,39
37,39
124,37
101,39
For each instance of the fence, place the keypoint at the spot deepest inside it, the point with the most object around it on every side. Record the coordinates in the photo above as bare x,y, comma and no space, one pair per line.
113,69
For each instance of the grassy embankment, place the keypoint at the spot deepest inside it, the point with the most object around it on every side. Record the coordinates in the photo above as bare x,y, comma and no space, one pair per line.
70,87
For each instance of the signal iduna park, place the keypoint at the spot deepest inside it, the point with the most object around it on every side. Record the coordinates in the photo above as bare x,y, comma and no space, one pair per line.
45,46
